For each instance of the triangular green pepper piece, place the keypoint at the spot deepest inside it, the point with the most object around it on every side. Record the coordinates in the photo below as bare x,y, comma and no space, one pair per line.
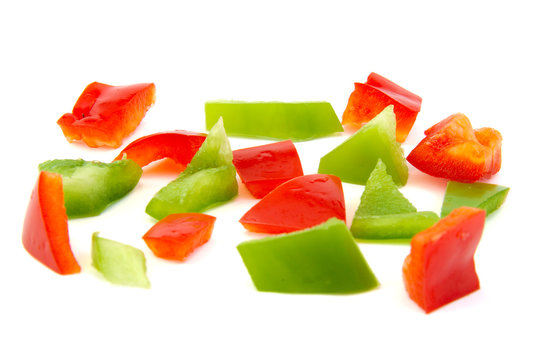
323,259
484,196
381,196
384,214
209,180
354,159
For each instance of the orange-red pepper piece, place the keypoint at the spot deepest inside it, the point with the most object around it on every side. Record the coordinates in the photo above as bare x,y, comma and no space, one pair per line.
45,234
177,235
104,115
370,98
440,267
453,150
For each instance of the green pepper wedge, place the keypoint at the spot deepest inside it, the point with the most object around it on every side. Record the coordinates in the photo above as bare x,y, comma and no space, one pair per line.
208,180
89,187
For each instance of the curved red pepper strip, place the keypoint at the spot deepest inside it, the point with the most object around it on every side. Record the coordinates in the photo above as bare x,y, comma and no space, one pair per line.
178,145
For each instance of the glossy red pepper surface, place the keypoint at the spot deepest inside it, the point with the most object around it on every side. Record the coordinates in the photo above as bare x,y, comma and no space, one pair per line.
45,234
262,168
104,115
370,98
177,235
299,203
452,149
179,145
440,267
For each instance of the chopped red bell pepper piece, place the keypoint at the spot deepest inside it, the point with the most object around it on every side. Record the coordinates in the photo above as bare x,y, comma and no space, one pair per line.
370,98
178,145
440,267
45,234
264,167
177,235
104,115
297,204
453,150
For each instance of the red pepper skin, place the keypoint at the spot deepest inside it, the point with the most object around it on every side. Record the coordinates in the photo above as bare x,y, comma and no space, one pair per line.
45,234
440,267
370,98
454,151
297,204
179,145
177,235
262,168
104,115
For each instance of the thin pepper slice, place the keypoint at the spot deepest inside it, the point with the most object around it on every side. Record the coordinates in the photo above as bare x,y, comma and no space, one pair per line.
46,233
178,145
480,195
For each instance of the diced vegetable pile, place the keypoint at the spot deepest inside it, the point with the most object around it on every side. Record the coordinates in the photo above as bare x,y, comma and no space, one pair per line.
311,249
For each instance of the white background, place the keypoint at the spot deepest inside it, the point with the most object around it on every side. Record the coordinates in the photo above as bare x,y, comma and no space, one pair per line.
460,56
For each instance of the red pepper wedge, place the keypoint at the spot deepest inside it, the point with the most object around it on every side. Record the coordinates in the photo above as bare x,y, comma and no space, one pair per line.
177,235
370,98
297,204
452,149
104,115
45,234
178,145
262,168
440,267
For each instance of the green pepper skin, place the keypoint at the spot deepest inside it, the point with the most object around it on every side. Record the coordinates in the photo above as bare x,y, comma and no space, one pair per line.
89,187
484,196
354,159
381,195
208,180
196,192
119,263
323,259
392,226
296,121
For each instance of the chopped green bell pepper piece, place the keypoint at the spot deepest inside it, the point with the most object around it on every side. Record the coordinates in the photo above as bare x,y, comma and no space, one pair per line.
355,158
393,226
381,196
384,214
119,263
484,196
323,259
274,120
208,180
89,187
